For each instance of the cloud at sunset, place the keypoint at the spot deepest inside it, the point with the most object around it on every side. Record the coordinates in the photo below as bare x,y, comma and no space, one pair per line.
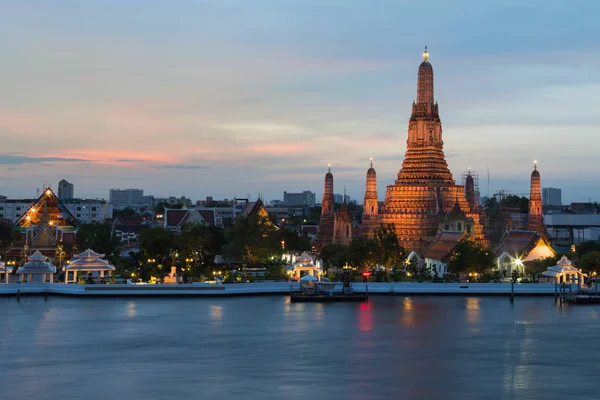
242,98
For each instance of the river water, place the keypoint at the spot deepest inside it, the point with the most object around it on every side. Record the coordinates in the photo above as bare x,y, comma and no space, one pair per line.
268,348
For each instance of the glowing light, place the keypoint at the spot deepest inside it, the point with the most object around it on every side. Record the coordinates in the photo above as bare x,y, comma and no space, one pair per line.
29,218
426,54
48,192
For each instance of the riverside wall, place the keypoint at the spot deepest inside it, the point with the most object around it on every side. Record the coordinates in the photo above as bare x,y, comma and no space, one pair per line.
271,288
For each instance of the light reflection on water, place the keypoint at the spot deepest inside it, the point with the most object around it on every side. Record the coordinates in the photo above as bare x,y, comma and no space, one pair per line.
267,348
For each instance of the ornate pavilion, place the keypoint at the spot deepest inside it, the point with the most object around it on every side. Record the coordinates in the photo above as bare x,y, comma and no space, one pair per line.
46,227
89,261
37,265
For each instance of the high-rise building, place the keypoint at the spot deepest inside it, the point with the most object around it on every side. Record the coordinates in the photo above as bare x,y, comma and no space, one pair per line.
65,190
306,198
122,198
551,197
339,198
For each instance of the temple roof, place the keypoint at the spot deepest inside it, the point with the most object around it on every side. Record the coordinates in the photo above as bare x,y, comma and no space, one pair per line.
177,217
520,243
254,207
47,210
37,264
89,264
443,245
89,254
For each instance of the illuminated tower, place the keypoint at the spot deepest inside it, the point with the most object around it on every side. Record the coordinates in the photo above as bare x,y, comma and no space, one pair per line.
536,222
370,215
425,189
325,231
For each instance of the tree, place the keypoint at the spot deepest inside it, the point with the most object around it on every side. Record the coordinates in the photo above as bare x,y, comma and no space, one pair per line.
127,212
253,239
201,243
363,253
293,241
390,252
585,247
156,242
469,256
590,261
6,236
97,236
333,254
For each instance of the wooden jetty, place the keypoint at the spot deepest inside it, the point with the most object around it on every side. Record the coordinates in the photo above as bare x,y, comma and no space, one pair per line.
323,292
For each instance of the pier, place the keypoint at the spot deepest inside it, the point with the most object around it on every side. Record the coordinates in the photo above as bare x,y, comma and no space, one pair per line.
273,288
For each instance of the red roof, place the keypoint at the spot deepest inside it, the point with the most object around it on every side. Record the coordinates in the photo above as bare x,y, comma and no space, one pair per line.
175,217
443,245
517,242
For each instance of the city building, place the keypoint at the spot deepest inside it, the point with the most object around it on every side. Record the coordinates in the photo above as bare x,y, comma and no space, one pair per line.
551,197
565,230
134,198
306,198
65,190
339,198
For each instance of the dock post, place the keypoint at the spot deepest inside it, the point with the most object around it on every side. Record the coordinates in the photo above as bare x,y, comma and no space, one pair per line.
512,291
367,290
555,290
18,295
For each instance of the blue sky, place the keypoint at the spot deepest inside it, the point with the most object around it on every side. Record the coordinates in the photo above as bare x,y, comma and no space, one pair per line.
232,97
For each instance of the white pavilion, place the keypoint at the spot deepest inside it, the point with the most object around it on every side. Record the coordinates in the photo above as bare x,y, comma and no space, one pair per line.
565,272
6,270
88,261
304,263
35,266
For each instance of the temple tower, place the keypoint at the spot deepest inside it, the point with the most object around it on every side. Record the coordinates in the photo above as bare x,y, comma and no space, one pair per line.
425,189
342,226
370,215
470,191
535,222
325,231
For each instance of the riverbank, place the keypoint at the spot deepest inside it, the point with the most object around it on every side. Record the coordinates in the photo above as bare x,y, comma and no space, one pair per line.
272,288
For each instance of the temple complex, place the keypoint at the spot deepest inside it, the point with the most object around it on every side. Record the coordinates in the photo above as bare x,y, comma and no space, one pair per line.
46,226
90,262
535,220
425,190
342,225
370,215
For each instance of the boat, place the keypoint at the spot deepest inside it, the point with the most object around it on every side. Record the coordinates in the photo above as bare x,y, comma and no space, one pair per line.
313,291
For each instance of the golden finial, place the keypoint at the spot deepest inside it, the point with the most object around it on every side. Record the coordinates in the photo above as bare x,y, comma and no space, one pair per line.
425,54
371,162
329,166
535,165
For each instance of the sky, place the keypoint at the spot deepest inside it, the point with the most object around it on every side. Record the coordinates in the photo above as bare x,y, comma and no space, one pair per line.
228,98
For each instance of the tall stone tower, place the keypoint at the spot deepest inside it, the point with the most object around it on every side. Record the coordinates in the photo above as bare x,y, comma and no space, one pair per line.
470,191
535,222
425,190
342,226
325,231
370,214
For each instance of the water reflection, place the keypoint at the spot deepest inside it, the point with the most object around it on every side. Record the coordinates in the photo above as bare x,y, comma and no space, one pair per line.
473,309
365,317
216,312
408,312
131,311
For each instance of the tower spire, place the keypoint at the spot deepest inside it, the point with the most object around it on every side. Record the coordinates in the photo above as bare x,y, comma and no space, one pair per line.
425,54
425,81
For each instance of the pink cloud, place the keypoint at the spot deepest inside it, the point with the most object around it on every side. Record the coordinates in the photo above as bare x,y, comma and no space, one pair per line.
280,148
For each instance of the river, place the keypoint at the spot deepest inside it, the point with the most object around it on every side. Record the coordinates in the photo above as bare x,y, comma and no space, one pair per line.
267,348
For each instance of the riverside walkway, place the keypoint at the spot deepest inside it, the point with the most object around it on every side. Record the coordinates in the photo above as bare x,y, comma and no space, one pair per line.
270,288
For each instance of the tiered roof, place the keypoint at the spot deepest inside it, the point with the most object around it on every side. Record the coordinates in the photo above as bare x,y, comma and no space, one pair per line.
89,260
527,245
443,245
37,264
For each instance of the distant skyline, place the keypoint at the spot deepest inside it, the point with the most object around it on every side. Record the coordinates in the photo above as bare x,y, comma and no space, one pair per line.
230,97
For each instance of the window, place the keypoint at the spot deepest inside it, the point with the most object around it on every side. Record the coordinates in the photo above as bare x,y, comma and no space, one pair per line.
446,227
93,208
94,215
78,215
79,208
17,214
459,227
18,208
